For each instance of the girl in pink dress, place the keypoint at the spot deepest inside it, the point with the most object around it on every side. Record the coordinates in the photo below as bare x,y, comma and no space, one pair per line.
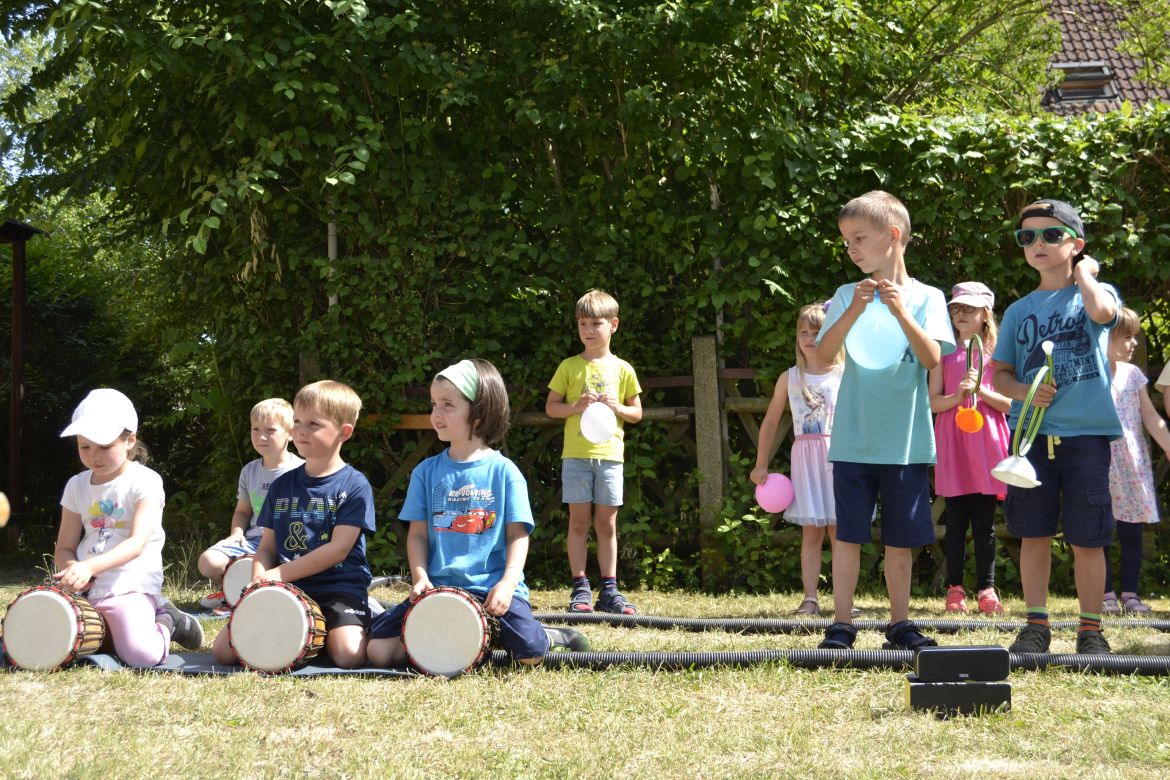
1131,480
810,389
962,473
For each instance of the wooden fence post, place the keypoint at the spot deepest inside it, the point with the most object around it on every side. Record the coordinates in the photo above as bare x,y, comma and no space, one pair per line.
709,439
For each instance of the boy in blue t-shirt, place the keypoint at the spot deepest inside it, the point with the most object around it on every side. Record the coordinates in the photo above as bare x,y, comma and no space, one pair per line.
894,330
1073,312
315,520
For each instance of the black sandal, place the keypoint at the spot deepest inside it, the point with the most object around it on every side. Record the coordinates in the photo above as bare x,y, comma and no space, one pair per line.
839,636
904,635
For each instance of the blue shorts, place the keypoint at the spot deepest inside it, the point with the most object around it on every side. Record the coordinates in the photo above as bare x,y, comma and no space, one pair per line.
521,633
248,547
905,498
1073,491
591,481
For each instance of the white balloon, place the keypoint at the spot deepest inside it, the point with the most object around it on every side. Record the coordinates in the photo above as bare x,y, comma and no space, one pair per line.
598,423
876,340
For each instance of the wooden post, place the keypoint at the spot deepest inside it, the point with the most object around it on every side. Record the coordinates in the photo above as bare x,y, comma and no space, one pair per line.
709,437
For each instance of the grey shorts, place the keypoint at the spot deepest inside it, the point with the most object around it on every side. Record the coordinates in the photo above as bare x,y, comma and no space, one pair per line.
591,481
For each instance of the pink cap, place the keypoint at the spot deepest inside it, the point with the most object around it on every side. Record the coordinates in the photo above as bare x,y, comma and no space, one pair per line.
974,294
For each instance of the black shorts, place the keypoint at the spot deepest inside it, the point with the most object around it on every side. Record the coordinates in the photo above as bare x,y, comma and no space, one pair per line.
343,609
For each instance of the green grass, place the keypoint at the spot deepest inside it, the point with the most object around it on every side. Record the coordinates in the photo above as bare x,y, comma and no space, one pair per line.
766,721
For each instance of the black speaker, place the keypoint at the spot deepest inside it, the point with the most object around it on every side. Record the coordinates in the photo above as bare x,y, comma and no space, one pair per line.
985,663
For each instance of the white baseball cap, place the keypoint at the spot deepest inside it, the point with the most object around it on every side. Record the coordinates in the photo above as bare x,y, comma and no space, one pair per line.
103,416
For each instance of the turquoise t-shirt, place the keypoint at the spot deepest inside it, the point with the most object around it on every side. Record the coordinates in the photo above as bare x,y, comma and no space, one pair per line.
1083,404
883,413
467,507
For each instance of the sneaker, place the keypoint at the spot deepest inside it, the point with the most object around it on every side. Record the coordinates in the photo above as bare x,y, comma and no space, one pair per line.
562,639
187,631
1032,638
1092,643
579,600
615,603
809,607
1109,605
1134,605
989,603
956,599
213,600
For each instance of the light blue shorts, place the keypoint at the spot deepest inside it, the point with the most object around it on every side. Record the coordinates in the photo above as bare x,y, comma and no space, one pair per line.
591,481
247,547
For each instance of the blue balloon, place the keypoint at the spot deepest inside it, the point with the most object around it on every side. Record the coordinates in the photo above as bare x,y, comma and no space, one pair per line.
876,340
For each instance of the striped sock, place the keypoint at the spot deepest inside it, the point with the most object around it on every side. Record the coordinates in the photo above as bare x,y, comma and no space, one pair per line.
580,583
1089,622
1038,616
608,583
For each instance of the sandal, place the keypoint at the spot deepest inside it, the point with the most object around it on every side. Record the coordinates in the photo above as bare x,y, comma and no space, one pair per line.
904,635
1132,605
839,636
579,601
808,607
1109,605
615,603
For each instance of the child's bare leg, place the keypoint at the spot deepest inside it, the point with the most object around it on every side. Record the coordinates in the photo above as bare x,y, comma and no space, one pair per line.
1089,573
346,645
812,543
605,526
1035,567
386,652
212,564
846,565
899,562
222,652
580,518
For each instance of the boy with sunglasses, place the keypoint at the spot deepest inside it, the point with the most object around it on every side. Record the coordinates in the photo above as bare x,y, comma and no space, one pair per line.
1073,312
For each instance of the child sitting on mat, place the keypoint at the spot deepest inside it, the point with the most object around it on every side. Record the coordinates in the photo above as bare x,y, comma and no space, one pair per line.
316,518
272,421
109,545
894,330
470,519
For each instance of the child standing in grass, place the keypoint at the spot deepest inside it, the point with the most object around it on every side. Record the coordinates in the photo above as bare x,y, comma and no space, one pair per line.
1131,483
1072,313
966,458
272,421
470,519
883,442
109,545
811,388
592,473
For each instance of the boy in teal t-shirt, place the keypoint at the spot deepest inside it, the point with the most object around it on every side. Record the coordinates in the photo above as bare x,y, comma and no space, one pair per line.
591,474
894,330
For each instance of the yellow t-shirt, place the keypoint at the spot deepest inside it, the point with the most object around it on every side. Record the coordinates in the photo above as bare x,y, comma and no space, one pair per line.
612,376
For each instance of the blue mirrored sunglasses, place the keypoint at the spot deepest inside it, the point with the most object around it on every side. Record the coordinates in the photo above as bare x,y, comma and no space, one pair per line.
1052,235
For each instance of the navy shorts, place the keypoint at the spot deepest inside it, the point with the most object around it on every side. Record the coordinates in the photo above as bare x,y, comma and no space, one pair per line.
343,609
521,633
905,498
1073,491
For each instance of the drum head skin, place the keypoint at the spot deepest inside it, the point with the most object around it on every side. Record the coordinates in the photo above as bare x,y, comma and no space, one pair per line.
40,629
444,633
236,577
269,628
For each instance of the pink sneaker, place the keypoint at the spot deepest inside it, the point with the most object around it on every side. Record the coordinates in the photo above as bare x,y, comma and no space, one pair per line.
956,599
989,603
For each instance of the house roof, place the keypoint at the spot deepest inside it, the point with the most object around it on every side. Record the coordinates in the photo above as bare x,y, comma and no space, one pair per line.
1089,37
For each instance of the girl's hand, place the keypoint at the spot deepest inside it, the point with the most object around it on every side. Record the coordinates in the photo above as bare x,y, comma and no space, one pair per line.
421,586
759,474
499,598
75,577
968,385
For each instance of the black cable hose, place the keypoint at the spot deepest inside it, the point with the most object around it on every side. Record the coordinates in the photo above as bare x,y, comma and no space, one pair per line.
807,626
896,660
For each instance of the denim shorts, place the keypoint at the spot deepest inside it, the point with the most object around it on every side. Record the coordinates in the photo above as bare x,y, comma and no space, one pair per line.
905,497
591,481
1073,491
248,547
521,633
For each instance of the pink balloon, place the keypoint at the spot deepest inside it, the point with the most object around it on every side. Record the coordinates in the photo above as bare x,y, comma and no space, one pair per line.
776,494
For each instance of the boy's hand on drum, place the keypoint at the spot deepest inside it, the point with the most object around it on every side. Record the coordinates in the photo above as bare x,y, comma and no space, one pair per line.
499,598
269,575
420,587
75,577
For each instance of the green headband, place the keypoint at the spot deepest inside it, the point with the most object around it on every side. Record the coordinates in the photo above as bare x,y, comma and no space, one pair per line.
464,376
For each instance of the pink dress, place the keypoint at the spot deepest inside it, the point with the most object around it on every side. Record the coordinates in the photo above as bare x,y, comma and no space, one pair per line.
812,399
1131,481
965,460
